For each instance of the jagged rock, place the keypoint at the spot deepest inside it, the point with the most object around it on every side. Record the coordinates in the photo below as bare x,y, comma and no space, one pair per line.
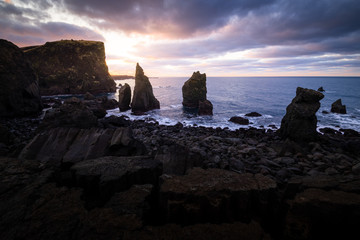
107,103
337,107
73,113
239,120
321,89
316,213
96,107
253,114
69,66
102,177
70,145
194,90
215,195
205,108
299,122
143,99
19,89
124,97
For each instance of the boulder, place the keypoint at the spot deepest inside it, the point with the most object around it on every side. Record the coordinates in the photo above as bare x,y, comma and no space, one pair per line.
124,97
143,99
19,89
205,108
194,90
321,89
239,120
337,107
71,145
215,195
68,67
299,122
253,114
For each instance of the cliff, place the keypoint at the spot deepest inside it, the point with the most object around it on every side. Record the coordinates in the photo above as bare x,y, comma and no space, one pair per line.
19,90
69,66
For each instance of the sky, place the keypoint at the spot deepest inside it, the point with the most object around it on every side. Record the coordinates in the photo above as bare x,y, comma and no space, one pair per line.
218,37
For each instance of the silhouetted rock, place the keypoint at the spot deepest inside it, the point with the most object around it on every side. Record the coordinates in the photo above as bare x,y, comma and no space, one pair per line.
299,122
321,89
337,107
205,108
89,96
143,99
253,114
69,66
19,89
124,97
239,120
194,90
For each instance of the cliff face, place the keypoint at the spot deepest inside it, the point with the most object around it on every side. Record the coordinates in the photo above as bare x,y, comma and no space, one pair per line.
69,66
19,90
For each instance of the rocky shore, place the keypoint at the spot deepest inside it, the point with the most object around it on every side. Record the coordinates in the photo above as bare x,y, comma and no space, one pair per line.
121,179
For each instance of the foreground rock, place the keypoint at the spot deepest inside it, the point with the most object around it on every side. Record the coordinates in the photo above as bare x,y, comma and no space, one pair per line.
239,120
299,122
338,107
194,94
143,99
70,66
124,97
19,89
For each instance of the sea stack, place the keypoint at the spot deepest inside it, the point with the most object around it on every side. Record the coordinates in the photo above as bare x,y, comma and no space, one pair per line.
143,99
19,89
299,122
71,67
338,107
124,97
194,94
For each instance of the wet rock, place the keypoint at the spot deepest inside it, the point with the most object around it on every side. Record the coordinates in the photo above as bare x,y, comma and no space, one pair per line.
214,195
321,89
350,132
143,99
253,114
124,97
68,67
300,120
205,108
330,131
194,90
239,120
19,91
337,107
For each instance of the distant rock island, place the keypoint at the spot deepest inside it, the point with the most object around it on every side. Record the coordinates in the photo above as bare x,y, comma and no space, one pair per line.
69,67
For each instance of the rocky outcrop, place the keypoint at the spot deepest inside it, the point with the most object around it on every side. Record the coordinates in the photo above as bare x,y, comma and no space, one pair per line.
124,97
338,107
143,99
321,89
299,122
205,108
19,90
69,66
239,120
253,114
194,94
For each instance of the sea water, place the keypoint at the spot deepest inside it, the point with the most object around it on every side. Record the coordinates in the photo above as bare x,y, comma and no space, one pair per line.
236,96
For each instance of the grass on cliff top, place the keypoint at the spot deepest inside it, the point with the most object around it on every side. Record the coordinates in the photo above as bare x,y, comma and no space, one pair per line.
64,42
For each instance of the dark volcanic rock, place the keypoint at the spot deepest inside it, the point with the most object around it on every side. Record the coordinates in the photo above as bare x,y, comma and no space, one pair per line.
299,122
239,120
194,90
321,89
70,66
71,145
89,96
124,97
19,89
253,114
143,99
215,195
337,107
205,108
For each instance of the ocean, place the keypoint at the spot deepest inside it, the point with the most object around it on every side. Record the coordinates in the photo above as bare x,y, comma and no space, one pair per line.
236,96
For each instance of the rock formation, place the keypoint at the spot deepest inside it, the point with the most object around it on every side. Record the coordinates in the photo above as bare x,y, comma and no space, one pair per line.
70,66
239,120
299,122
338,107
124,97
321,89
143,99
194,92
19,90
253,114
